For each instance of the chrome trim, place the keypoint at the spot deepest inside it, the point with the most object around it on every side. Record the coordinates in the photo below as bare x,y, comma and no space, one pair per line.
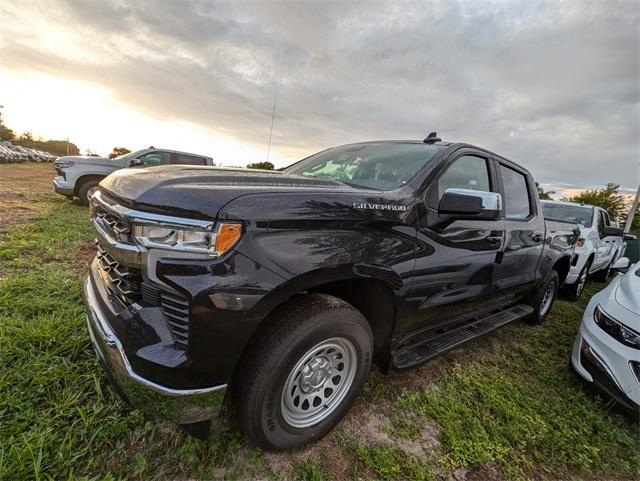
128,254
140,217
490,200
180,405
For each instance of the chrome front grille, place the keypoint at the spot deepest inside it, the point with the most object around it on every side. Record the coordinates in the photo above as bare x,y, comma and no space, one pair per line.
117,228
123,276
125,282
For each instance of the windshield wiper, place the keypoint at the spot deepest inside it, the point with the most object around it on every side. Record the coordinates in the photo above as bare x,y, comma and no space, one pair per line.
350,184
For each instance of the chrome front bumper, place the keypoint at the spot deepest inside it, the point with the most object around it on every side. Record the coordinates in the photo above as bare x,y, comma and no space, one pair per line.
182,406
62,188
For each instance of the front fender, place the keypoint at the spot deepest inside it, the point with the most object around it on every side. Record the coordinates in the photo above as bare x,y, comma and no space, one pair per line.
362,248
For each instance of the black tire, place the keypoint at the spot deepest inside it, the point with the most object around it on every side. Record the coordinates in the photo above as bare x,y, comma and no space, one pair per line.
85,189
605,274
572,292
541,302
258,391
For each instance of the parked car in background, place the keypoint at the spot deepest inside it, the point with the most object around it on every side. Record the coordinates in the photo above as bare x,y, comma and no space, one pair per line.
10,152
6,155
601,243
606,352
17,154
77,175
285,285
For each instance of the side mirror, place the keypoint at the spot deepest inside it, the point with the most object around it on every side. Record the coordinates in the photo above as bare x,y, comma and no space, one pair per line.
629,237
621,265
470,204
609,230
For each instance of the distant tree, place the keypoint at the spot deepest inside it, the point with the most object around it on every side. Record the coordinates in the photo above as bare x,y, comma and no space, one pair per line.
609,198
58,147
261,165
118,151
6,133
635,224
26,137
543,194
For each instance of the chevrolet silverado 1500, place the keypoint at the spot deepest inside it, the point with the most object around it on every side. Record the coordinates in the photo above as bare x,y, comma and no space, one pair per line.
276,290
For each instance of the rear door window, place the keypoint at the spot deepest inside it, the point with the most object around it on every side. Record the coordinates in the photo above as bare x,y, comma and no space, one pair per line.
517,204
185,159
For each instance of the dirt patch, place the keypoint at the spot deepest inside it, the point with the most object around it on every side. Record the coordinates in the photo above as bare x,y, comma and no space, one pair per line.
483,473
378,429
25,191
82,258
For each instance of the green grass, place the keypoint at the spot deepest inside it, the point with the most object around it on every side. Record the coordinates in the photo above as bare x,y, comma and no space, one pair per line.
57,418
519,406
510,402
392,463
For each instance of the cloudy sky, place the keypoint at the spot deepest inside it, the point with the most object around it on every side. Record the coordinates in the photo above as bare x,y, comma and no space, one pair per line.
553,85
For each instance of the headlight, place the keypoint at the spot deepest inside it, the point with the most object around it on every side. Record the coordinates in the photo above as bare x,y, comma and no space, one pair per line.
185,239
616,330
64,164
579,243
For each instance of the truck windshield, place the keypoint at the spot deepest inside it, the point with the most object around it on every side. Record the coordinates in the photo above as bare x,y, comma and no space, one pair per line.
573,214
379,165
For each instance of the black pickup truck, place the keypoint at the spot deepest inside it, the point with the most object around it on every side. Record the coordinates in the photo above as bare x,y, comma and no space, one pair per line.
277,290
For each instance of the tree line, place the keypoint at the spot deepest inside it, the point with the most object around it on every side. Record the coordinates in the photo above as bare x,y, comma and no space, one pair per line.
26,139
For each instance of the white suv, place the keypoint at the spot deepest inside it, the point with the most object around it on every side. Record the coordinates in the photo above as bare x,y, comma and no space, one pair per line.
599,246
77,175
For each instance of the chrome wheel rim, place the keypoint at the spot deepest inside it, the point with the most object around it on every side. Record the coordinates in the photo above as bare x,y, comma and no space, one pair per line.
547,298
318,382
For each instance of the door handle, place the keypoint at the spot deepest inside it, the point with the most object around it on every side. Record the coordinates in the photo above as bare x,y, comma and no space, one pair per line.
493,239
537,237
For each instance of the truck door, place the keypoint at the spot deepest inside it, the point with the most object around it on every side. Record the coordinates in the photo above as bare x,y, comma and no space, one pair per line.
517,270
607,243
454,268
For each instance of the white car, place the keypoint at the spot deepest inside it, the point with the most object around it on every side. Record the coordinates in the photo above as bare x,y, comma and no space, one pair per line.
607,349
600,245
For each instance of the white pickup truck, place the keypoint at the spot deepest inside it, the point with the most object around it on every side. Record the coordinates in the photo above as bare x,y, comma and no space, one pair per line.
78,175
601,243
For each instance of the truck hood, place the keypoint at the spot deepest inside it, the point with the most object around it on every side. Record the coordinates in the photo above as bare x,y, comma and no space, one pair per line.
89,160
208,192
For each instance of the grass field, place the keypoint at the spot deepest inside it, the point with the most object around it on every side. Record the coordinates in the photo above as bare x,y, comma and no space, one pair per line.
503,407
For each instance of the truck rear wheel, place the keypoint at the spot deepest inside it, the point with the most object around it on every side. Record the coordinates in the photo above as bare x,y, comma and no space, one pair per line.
306,371
543,299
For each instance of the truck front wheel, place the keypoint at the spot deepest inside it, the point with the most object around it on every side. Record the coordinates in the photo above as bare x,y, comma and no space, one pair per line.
302,377
573,291
85,190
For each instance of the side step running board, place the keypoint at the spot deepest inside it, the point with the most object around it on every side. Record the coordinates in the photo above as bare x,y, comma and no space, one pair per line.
420,349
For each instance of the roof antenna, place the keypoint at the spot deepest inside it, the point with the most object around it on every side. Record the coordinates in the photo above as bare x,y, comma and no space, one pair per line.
432,138
273,116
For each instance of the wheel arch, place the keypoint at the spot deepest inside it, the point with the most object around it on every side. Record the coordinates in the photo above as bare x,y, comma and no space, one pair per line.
371,295
80,181
562,267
